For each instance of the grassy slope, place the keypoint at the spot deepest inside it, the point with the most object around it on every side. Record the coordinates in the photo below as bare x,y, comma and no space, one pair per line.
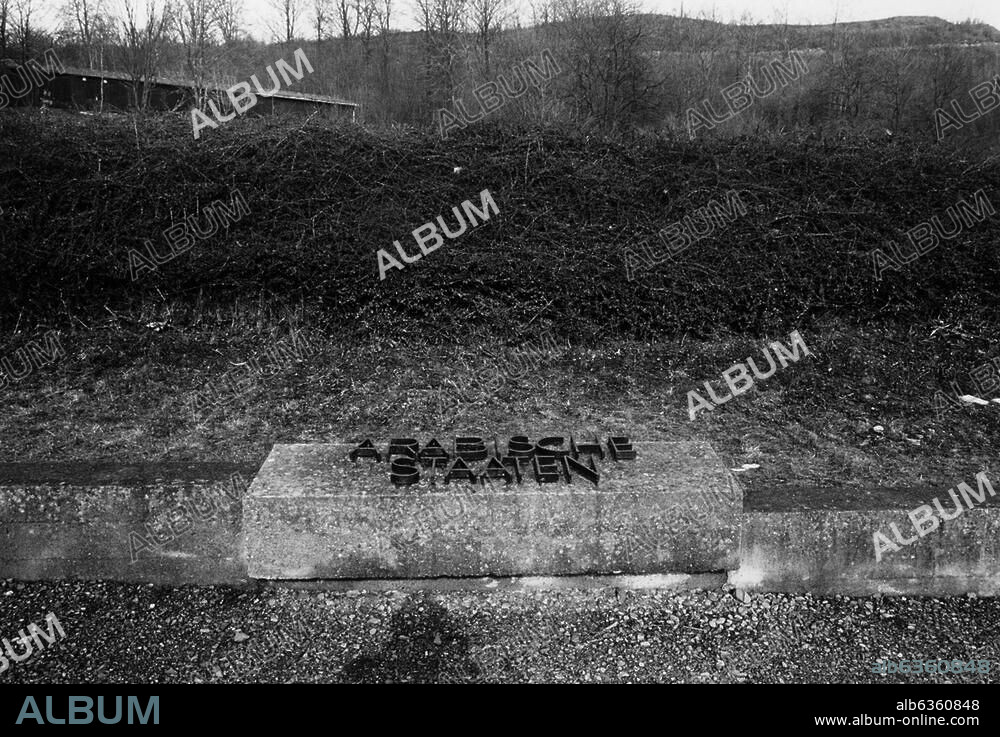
123,392
325,200
81,192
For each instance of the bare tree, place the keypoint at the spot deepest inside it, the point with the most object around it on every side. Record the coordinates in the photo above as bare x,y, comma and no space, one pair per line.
382,12
898,83
367,11
143,35
288,12
4,26
946,74
5,18
487,17
541,12
196,22
609,76
347,15
383,15
706,44
442,23
22,28
84,21
230,19
748,43
851,78
442,16
321,18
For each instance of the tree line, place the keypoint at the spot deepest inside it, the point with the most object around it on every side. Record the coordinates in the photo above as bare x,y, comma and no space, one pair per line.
621,70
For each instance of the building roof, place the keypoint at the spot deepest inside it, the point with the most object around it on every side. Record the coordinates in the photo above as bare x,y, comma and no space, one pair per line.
173,82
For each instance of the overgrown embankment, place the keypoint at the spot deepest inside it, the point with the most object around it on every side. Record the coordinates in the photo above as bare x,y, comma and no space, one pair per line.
79,192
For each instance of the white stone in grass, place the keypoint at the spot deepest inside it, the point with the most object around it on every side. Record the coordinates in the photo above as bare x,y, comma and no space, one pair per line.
972,400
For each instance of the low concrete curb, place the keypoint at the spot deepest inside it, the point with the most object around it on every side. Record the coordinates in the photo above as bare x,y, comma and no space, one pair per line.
179,522
67,520
799,539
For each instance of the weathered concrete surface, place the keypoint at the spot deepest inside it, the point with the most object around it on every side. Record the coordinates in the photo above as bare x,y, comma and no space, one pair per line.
311,513
650,582
821,541
74,521
70,520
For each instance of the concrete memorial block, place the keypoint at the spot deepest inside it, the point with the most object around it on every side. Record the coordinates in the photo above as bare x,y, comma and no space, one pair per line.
165,522
478,506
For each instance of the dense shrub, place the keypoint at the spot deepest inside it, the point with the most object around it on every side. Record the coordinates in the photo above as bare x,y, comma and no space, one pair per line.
78,192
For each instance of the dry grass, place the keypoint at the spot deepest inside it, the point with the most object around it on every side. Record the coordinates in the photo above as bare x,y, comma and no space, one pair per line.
124,391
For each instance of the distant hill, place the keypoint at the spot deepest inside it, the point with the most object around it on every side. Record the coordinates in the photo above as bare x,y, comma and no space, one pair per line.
693,33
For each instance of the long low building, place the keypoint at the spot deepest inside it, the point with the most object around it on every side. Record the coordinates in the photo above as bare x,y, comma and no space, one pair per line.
101,90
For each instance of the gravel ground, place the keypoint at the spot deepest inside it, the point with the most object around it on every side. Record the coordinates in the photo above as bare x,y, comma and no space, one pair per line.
139,633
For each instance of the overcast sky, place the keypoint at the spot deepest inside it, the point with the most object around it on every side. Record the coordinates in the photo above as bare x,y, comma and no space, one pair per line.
767,11
260,14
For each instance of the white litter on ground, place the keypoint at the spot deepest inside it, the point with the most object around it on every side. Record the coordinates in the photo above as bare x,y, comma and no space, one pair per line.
972,400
